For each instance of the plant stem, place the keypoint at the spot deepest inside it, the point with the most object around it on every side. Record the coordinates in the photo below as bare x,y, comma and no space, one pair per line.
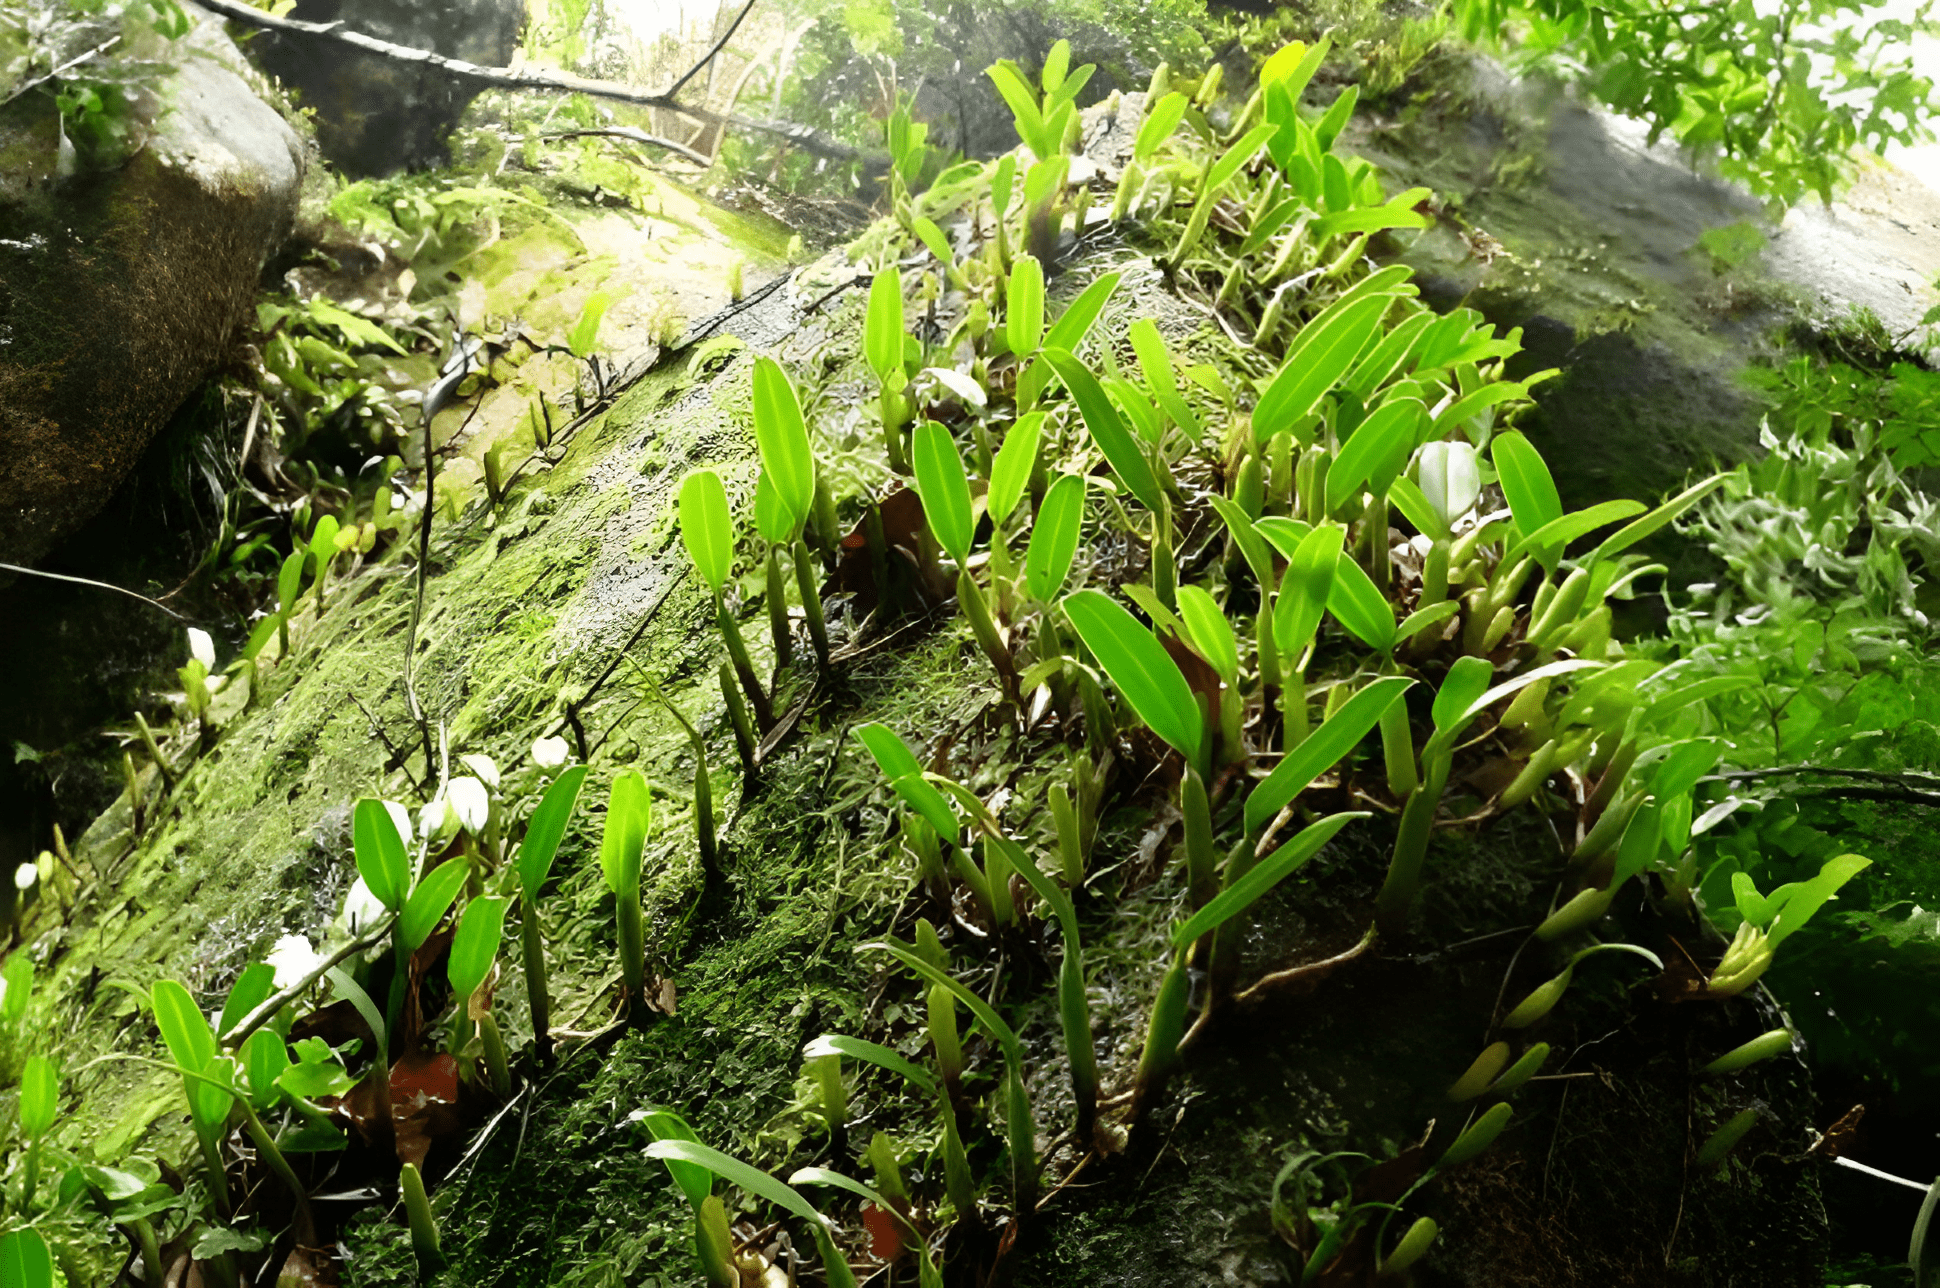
738,717
424,1226
32,1181
811,594
306,1226
535,978
496,1065
1202,878
737,648
633,949
1398,892
777,598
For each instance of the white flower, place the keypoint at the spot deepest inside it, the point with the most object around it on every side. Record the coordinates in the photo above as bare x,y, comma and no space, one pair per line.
1449,479
550,753
202,648
292,959
484,766
25,876
471,802
437,820
361,908
214,684
400,819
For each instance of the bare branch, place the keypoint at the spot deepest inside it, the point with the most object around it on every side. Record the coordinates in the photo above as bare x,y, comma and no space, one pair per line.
506,78
719,45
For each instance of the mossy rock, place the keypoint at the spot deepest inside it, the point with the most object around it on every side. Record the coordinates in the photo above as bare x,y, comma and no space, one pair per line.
120,291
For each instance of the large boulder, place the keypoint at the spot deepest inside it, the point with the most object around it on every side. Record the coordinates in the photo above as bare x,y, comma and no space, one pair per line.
378,115
121,289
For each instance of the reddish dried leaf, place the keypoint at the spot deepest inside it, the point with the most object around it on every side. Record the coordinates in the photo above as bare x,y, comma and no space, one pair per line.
885,1235
1199,673
420,1078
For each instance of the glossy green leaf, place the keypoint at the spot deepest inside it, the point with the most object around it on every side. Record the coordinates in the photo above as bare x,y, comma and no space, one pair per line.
1121,449
1262,877
944,490
1631,533
1305,588
1010,471
1337,735
933,239
185,1029
475,947
546,827
1024,306
706,527
1358,604
1324,352
694,1180
891,753
735,1172
1154,360
1550,540
585,332
40,1096
265,1058
881,1056
628,812
1161,119
1054,537
251,989
1140,668
1526,481
430,901
1252,546
882,335
1467,680
993,1023
1388,432
381,860
25,1261
323,539
1238,155
782,437
1075,322
1209,631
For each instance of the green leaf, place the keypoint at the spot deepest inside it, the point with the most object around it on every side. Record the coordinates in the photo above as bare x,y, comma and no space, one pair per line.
430,901
1075,322
1549,541
265,1058
1209,632
585,332
1388,432
1022,100
1397,213
1339,734
544,830
1239,154
25,1261
782,436
1153,358
1252,546
1324,351
695,1181
40,1096
628,811
185,1029
1814,894
1024,306
944,490
882,334
1423,618
475,946
355,329
1141,669
1262,877
323,539
1631,533
1056,64
1446,733
251,989
1161,119
706,527
735,1172
18,975
932,238
1006,1036
1127,458
1467,680
1010,472
380,853
771,518
289,581
1305,589
881,1056
1526,483
1054,537
1358,604
892,755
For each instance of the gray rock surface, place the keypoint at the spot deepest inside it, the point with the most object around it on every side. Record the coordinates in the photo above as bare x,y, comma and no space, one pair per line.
120,291
378,115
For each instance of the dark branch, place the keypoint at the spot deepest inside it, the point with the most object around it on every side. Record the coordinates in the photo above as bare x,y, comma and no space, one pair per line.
506,78
719,45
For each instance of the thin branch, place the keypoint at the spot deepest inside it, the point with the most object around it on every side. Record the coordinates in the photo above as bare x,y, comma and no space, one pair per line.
261,1015
88,581
69,65
632,135
507,78
719,45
